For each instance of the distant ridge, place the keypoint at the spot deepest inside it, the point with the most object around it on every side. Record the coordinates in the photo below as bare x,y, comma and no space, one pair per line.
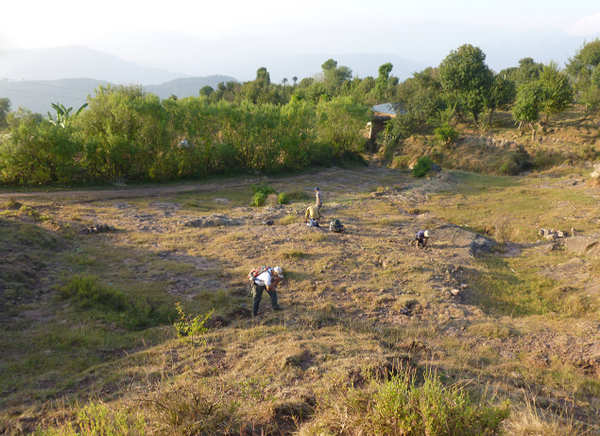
37,95
65,62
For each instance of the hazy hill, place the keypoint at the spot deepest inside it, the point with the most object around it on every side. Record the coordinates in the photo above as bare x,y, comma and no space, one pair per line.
61,62
37,95
187,86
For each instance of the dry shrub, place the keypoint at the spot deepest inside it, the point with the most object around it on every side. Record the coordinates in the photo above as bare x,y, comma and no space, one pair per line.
503,230
532,421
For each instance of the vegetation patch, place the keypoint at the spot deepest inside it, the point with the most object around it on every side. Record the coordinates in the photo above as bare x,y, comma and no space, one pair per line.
400,405
88,293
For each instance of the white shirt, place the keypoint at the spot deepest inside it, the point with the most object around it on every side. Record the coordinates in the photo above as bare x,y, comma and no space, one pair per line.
264,279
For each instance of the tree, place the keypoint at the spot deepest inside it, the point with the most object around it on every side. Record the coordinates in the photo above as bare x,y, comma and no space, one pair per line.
557,93
284,81
334,76
466,79
295,80
502,94
206,90
587,58
382,82
527,105
4,110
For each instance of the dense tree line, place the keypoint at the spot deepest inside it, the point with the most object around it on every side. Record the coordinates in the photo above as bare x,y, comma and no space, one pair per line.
125,133
259,125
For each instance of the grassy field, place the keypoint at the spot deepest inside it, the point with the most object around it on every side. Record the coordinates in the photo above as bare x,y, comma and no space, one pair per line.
370,341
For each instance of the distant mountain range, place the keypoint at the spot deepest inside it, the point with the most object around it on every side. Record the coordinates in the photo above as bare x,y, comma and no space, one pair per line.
65,62
37,95
34,79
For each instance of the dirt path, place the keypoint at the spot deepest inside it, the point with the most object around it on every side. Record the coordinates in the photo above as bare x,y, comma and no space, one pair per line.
368,175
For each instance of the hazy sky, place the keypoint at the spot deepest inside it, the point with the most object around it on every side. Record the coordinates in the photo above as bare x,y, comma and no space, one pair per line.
205,37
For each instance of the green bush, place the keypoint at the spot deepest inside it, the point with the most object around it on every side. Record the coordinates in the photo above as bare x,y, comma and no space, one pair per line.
283,198
114,305
261,192
401,406
258,199
422,167
446,133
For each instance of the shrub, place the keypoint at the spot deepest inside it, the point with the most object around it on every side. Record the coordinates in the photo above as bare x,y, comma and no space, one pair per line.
433,409
283,198
258,199
399,406
446,133
422,167
187,325
261,192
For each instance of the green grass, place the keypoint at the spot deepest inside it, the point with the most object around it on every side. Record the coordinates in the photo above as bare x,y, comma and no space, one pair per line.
401,406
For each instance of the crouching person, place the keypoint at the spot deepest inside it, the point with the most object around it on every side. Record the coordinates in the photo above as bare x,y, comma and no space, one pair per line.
312,216
267,279
421,238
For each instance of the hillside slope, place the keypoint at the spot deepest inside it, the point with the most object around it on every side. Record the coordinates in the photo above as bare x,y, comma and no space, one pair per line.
488,305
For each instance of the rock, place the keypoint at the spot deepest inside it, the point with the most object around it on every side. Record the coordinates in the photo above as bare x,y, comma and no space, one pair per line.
550,236
454,292
213,221
268,222
560,234
581,245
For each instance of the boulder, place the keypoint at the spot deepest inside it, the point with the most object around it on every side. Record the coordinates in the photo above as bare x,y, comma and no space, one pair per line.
583,245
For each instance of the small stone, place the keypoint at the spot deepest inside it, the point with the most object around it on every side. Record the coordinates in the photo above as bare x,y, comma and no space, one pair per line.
454,292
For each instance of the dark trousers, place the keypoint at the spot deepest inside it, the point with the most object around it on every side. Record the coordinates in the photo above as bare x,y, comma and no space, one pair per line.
257,292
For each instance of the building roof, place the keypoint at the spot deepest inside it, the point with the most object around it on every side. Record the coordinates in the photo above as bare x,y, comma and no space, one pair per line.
387,109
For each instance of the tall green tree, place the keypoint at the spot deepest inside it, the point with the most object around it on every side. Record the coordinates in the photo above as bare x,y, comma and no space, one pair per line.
4,110
502,94
466,79
383,80
557,93
526,110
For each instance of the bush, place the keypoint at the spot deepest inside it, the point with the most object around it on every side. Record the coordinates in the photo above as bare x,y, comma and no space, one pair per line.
187,325
259,199
446,133
261,192
422,167
399,406
283,198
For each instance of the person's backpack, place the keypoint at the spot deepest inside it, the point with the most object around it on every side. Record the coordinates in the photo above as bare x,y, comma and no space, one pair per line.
256,272
336,226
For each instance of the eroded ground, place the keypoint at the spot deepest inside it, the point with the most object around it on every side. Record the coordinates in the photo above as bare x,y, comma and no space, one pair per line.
488,304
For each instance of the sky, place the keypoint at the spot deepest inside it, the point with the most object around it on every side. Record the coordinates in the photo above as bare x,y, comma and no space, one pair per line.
236,37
